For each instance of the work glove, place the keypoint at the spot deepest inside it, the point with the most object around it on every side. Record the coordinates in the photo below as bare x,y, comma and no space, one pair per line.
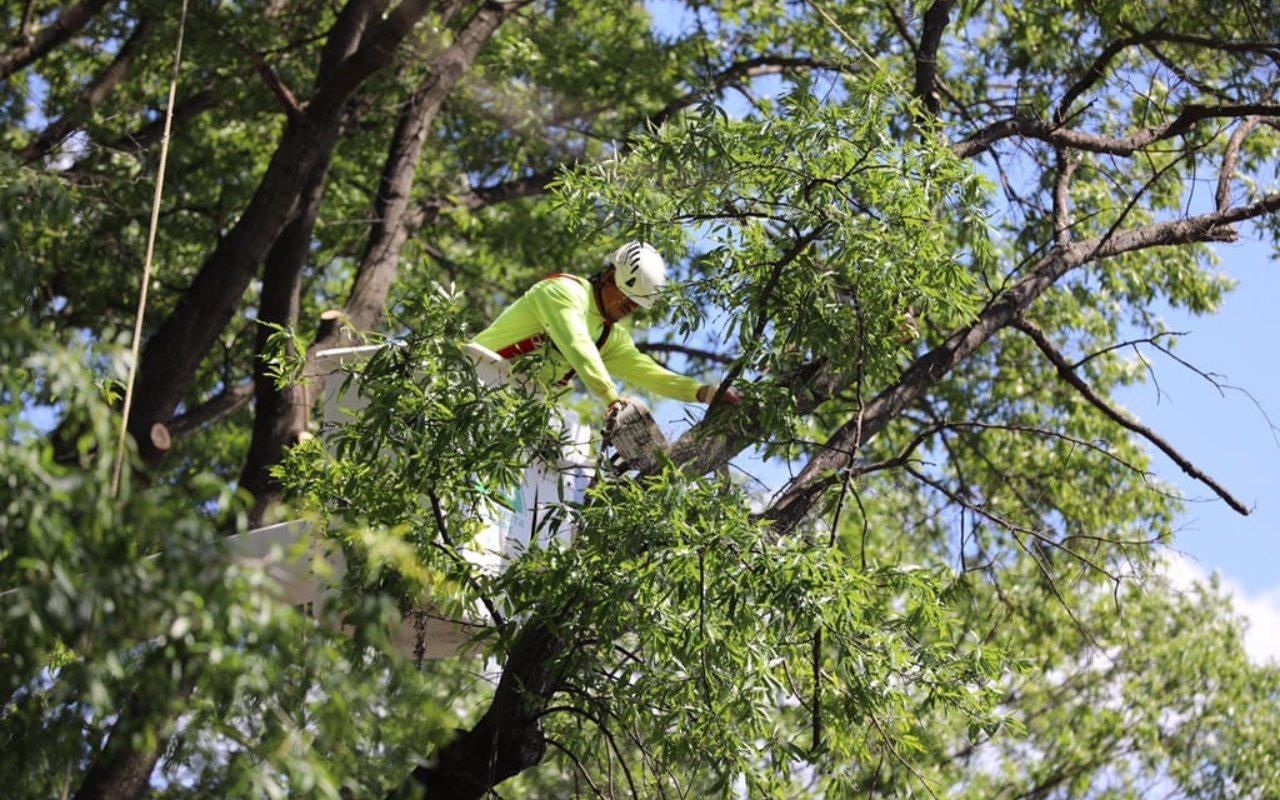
707,392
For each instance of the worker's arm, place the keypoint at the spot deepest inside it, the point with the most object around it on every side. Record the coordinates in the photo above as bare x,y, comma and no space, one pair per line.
635,368
562,306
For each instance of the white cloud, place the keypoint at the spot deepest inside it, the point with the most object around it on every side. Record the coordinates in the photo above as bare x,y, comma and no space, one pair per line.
1261,610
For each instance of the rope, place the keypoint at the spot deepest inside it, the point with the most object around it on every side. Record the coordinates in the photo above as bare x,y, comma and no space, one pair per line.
146,267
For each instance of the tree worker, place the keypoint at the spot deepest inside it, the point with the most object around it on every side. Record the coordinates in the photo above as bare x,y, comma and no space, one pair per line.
572,322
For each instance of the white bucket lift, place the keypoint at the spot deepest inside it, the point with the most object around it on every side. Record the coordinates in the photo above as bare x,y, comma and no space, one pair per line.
306,570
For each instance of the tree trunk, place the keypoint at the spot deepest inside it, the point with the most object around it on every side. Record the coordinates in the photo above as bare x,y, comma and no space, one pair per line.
508,739
280,413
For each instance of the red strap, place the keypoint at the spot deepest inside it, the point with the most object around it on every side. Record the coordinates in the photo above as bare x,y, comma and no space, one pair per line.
523,346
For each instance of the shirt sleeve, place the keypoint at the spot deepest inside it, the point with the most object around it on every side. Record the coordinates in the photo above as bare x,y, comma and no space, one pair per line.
626,361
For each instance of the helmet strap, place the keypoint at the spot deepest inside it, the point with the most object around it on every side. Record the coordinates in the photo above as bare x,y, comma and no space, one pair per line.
597,287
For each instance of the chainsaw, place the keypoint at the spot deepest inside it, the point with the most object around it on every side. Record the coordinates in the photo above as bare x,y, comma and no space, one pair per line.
636,441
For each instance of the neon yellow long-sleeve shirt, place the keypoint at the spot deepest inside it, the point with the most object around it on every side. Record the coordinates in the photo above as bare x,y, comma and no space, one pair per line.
563,309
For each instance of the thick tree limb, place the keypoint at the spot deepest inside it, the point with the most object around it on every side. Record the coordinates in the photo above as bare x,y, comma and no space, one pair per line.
1231,158
796,499
508,739
174,353
936,18
281,413
378,267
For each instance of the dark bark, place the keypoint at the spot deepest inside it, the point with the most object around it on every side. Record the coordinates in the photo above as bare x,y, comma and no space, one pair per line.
280,412
358,46
508,739
935,24
232,399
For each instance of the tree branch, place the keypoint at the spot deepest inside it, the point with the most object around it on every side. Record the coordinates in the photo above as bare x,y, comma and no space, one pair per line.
149,134
378,266
796,499
50,36
1231,158
1069,375
1056,135
180,343
479,197
936,18
269,76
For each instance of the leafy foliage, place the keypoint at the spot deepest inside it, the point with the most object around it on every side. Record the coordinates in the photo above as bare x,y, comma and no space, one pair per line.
921,242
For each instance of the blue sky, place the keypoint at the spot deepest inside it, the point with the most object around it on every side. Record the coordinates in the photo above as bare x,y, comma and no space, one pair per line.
1227,432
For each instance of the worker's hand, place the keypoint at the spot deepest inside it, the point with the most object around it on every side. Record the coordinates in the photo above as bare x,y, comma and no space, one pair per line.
707,392
614,408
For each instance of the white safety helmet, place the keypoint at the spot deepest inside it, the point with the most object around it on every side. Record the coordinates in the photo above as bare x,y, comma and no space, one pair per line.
640,272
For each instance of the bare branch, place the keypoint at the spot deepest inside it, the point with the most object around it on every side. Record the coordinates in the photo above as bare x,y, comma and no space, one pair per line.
577,765
1017,531
230,401
1062,199
1231,158
1154,341
1069,375
608,735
